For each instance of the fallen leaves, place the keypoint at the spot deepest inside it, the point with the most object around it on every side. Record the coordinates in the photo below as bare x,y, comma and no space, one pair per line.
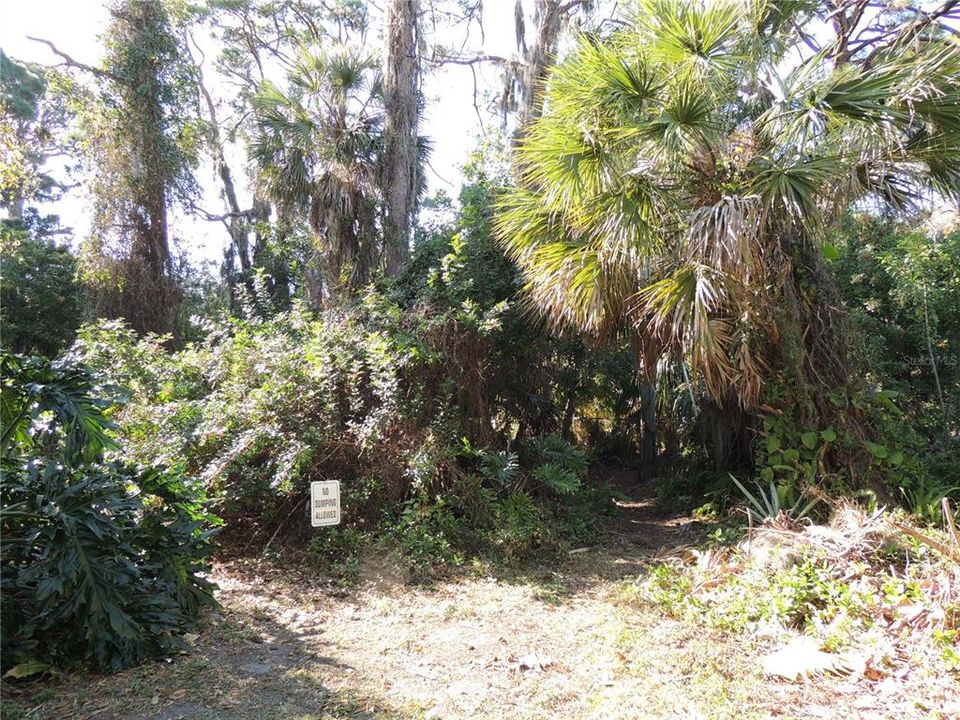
27,669
532,663
802,658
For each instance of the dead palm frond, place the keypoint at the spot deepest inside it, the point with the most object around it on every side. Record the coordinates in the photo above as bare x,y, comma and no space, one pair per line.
681,166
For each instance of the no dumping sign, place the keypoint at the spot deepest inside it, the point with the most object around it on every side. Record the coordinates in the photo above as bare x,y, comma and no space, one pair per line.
325,503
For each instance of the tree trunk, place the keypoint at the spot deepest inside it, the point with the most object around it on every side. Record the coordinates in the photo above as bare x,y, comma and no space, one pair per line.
551,15
152,298
401,90
568,412
648,426
726,434
236,223
144,289
15,206
539,59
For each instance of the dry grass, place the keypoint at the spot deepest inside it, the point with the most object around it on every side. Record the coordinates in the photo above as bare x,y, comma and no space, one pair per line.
557,642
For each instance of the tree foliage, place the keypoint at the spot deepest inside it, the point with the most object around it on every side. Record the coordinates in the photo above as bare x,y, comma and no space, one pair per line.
32,123
139,142
322,153
40,299
103,561
900,284
319,152
679,186
665,146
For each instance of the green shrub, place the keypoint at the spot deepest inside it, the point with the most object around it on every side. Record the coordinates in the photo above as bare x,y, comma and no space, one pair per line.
562,467
103,561
338,550
427,533
496,506
263,407
39,297
519,528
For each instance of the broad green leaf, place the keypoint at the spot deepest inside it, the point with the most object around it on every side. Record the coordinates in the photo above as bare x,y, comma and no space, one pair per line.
27,669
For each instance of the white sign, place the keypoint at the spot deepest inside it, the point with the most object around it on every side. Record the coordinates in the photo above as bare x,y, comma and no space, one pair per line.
325,503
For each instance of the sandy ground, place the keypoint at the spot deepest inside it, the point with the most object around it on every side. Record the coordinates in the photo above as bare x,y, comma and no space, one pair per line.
553,642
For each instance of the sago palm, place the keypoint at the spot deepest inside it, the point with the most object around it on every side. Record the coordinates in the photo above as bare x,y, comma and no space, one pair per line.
688,167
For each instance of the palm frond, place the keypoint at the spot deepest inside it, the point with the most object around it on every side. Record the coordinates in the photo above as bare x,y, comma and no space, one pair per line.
790,186
697,40
682,309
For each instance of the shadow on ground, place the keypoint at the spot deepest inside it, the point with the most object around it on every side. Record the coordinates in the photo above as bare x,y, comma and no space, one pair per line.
283,645
242,665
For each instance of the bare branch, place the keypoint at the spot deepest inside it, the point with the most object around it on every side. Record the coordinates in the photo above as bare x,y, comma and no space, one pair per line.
221,218
473,60
572,5
926,19
473,72
807,40
69,61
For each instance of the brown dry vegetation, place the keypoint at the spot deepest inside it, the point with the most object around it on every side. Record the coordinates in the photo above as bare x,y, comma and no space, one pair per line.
567,641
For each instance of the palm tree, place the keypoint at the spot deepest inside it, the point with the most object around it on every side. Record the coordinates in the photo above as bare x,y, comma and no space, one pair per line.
319,149
688,167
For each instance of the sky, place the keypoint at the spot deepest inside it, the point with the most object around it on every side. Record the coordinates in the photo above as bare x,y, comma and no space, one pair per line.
450,120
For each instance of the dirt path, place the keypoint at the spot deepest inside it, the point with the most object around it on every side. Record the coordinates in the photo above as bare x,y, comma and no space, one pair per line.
561,642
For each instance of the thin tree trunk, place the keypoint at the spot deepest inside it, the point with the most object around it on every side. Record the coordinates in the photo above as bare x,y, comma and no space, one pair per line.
401,88
538,62
568,413
237,226
646,363
15,206
648,426
933,362
551,16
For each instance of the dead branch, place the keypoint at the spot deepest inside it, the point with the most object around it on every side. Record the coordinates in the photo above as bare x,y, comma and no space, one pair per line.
70,62
940,547
473,60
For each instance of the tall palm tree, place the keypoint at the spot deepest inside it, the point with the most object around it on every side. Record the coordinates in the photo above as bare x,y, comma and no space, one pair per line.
688,167
319,150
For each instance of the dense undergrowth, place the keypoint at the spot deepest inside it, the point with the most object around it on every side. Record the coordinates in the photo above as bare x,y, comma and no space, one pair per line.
103,559
442,407
264,407
858,584
458,426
